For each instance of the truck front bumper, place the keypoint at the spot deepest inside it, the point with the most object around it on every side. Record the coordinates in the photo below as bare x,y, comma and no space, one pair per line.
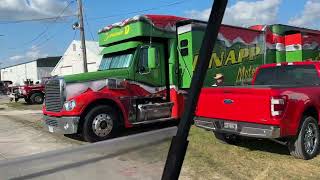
61,125
239,128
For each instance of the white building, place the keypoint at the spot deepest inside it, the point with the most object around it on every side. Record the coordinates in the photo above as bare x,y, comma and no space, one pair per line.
72,63
34,70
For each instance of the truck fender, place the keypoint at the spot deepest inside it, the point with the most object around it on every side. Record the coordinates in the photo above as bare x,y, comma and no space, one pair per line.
106,101
308,110
35,91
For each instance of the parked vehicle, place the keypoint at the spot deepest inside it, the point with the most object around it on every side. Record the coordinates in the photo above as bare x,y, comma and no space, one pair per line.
30,92
33,93
14,94
147,67
4,87
283,103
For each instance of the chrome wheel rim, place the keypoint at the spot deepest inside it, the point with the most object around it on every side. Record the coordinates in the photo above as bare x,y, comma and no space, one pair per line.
38,99
311,138
102,125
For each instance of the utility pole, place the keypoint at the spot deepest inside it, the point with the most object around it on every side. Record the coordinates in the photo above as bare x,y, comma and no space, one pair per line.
82,36
1,71
0,65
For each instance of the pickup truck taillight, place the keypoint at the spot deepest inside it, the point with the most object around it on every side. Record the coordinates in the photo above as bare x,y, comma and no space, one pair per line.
278,105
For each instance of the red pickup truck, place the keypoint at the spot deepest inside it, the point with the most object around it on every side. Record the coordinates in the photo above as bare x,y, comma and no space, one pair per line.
283,103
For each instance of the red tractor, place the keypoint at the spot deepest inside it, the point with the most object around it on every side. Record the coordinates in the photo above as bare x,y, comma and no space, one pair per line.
30,92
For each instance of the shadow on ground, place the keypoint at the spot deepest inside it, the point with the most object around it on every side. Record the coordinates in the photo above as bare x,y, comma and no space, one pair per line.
264,145
134,130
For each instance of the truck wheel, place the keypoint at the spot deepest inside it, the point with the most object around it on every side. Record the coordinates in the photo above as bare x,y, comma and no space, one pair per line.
227,138
100,123
27,100
306,144
36,98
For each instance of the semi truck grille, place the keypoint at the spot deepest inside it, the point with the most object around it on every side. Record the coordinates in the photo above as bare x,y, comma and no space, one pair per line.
54,95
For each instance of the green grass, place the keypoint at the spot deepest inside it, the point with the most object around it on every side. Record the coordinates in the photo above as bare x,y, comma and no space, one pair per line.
207,159
252,159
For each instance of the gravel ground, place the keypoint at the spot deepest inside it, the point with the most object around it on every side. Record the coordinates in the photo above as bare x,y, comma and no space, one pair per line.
21,134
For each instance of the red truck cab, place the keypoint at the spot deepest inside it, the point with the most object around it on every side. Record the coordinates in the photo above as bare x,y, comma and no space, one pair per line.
32,94
282,103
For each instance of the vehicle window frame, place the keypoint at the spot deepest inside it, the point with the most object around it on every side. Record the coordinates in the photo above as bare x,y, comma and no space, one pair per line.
143,56
146,67
277,75
126,52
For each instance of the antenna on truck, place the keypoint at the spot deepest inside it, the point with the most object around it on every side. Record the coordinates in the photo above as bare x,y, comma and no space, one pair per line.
180,142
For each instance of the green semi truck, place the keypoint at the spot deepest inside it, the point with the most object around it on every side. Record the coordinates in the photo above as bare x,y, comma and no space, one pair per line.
146,70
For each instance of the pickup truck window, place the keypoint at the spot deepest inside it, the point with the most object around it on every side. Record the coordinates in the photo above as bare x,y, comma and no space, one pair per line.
116,61
288,75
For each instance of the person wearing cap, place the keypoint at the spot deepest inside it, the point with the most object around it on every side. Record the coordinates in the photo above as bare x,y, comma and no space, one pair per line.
219,80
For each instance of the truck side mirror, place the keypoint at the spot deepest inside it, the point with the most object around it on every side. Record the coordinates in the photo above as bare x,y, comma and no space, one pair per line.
152,57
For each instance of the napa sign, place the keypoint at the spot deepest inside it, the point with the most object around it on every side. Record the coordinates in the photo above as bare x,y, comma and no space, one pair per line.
231,57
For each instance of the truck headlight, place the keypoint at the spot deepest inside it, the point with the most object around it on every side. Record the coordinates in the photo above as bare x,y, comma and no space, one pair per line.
69,105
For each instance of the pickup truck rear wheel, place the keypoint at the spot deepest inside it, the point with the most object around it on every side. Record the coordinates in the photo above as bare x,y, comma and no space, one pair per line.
100,123
227,138
36,98
306,144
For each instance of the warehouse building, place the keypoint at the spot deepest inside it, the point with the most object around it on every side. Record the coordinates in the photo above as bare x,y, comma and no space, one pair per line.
72,62
34,70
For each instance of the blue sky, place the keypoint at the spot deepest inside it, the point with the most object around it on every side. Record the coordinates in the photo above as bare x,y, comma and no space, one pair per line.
27,40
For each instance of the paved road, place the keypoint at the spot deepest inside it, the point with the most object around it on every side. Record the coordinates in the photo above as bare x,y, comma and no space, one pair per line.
139,156
21,134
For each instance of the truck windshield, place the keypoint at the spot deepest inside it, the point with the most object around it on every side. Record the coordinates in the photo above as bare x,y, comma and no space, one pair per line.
116,61
288,75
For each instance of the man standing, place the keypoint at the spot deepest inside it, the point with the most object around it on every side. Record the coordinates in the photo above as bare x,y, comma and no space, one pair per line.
219,80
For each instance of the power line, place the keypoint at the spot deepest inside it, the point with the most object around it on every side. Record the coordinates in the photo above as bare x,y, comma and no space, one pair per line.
89,28
34,20
47,27
43,19
92,18
40,44
46,40
139,11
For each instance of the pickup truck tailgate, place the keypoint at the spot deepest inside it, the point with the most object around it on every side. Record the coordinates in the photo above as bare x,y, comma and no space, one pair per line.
247,104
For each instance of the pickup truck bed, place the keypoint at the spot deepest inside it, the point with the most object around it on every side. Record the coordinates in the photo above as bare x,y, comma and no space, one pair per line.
266,111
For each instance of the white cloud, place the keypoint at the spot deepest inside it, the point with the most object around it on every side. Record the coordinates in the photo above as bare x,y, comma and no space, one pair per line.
32,54
245,13
31,9
310,15
16,58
